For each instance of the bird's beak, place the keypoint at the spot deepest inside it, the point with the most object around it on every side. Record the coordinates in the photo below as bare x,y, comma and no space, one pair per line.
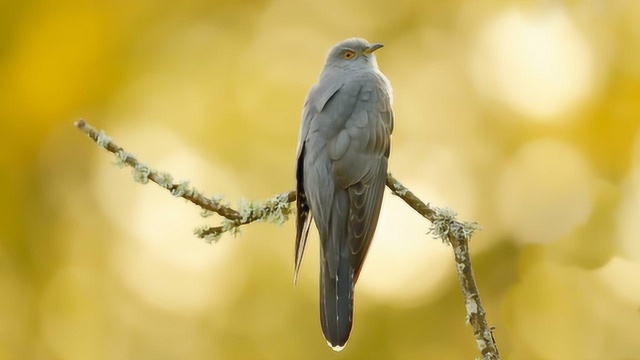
371,48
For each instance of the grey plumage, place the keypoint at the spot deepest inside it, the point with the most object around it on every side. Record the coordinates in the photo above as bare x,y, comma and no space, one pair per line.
341,169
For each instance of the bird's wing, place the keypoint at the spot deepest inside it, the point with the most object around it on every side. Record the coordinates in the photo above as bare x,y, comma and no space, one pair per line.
343,170
359,153
316,100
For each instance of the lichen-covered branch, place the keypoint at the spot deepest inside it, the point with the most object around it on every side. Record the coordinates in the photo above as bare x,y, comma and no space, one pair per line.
277,210
143,173
451,231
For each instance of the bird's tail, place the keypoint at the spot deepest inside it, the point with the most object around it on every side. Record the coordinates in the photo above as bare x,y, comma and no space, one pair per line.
336,304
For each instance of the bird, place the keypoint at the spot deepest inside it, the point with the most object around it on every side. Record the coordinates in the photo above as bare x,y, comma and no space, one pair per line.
341,168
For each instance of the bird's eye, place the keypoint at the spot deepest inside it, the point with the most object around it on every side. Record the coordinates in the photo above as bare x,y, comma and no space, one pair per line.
348,55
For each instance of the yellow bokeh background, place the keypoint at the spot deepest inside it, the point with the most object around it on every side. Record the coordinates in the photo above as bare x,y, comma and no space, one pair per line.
521,115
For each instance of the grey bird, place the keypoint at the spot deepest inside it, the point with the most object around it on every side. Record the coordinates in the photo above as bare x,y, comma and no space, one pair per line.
341,170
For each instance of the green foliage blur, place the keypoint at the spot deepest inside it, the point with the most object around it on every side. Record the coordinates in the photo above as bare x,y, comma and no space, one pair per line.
521,115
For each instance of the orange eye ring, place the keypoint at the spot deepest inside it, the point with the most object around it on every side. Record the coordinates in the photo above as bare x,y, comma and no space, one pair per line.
348,55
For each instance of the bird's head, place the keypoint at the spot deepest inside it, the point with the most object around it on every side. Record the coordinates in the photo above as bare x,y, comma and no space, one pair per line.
352,54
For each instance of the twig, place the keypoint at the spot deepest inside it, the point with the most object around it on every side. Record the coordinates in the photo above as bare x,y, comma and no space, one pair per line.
142,174
443,225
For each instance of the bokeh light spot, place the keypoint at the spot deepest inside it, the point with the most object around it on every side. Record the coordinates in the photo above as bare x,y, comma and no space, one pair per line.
544,191
621,276
538,63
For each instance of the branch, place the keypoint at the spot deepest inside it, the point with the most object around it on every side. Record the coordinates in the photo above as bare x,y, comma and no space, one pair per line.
277,210
445,226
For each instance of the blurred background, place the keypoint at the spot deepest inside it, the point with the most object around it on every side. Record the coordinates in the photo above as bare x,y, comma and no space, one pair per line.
521,115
